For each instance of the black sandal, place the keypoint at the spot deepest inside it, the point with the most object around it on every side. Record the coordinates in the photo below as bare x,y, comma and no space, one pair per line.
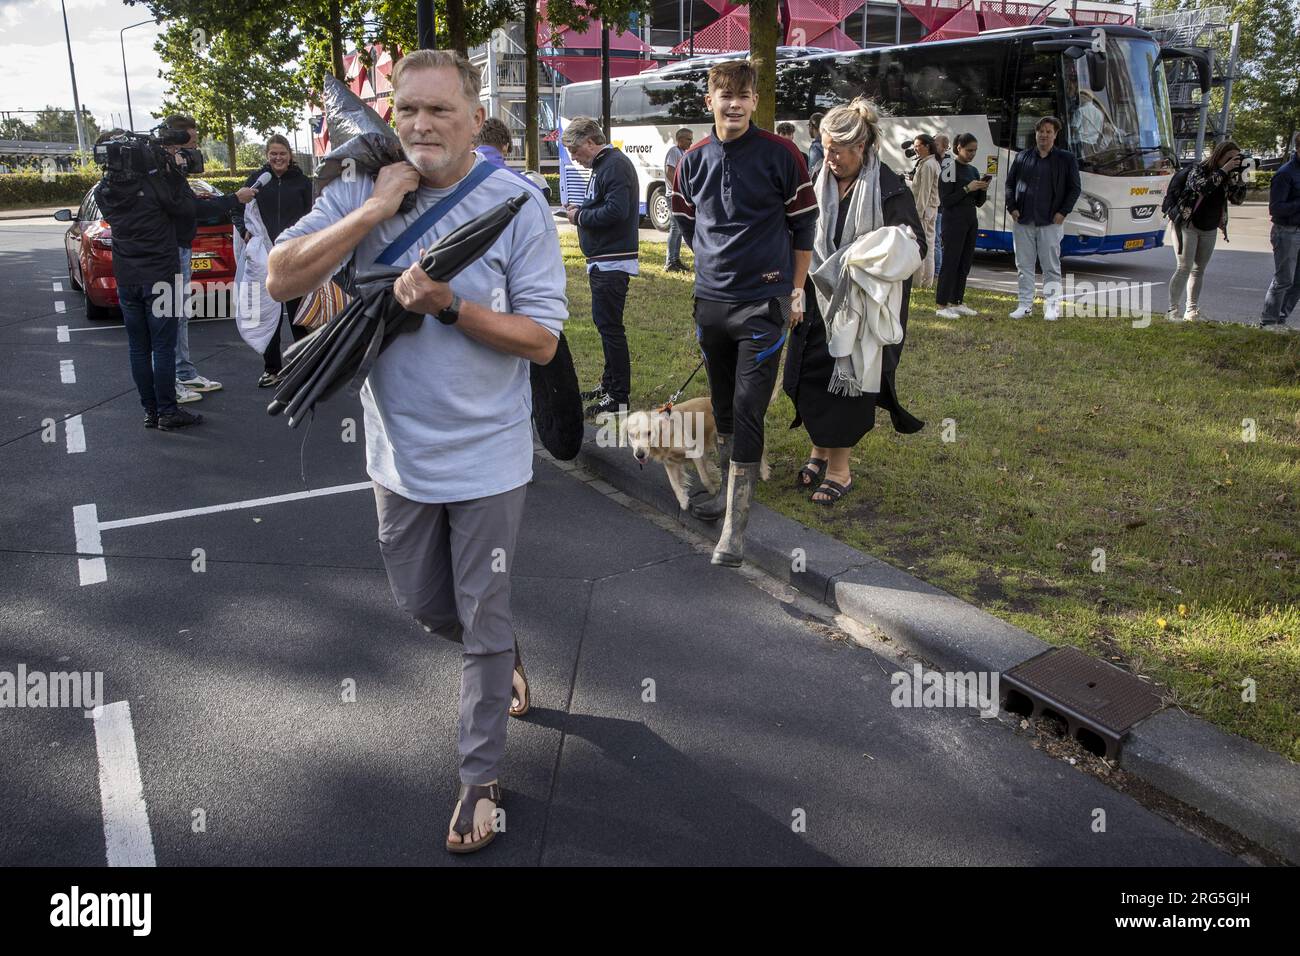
832,488
524,702
469,797
812,475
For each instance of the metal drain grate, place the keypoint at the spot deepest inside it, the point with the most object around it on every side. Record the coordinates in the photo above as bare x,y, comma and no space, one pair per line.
1090,694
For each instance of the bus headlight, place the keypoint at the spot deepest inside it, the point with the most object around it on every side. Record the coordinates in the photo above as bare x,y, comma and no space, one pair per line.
1092,207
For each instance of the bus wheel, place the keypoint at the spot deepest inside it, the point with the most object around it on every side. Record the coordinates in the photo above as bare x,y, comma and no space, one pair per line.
661,215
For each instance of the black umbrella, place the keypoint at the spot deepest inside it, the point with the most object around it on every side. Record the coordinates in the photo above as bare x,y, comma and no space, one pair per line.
345,349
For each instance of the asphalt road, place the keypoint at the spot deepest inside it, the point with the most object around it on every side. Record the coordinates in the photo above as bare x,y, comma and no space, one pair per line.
238,746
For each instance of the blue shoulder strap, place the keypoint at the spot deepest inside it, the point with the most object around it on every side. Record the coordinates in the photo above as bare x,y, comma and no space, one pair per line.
480,172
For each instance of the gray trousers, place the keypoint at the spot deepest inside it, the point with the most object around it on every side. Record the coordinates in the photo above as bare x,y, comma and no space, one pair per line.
1198,245
1035,244
449,568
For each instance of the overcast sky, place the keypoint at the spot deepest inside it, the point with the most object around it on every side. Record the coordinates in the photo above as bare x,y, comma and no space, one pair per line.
35,60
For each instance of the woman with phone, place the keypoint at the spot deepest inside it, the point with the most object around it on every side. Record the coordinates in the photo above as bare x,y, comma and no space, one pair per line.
961,192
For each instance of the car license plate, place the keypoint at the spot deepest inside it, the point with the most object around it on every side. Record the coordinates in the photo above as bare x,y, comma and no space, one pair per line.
1134,243
199,265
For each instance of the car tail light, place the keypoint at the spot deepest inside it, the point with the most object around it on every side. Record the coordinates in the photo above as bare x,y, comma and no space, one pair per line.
101,235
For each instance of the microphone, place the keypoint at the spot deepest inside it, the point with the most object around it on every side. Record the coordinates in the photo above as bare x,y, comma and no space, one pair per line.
262,180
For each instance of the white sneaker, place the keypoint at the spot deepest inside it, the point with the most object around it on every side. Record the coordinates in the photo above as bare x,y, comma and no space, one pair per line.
948,313
1192,315
1050,313
199,383
184,394
1173,316
963,309
1023,312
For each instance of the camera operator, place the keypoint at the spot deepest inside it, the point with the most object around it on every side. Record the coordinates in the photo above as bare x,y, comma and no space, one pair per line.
189,383
141,209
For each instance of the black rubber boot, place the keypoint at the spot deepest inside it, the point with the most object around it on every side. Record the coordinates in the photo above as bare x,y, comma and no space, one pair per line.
715,506
740,492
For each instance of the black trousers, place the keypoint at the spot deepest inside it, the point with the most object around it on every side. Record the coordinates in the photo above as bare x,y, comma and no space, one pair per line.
958,252
742,350
271,359
608,296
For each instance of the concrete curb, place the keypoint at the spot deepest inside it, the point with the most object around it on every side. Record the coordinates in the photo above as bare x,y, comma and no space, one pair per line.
1252,790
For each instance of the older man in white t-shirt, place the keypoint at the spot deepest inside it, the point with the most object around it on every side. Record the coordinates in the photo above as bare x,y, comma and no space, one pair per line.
448,407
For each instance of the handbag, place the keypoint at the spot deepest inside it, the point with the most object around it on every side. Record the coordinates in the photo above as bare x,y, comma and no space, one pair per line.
320,305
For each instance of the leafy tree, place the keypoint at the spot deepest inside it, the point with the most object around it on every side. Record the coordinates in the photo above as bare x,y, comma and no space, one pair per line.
14,128
57,126
1266,94
249,155
224,80
579,14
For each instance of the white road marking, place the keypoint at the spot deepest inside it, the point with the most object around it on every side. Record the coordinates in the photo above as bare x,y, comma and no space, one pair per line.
58,287
127,840
62,331
67,372
233,506
1095,292
76,435
100,328
60,307
85,521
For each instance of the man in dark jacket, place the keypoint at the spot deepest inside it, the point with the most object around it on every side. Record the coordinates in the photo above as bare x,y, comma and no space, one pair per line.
285,199
189,383
143,210
1042,188
608,221
1284,209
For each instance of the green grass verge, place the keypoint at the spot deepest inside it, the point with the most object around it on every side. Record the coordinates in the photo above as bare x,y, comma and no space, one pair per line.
1071,436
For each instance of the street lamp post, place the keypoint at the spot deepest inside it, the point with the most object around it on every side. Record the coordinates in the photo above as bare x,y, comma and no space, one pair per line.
121,37
76,100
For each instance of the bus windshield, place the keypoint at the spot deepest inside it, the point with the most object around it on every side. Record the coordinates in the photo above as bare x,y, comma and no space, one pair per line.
1124,130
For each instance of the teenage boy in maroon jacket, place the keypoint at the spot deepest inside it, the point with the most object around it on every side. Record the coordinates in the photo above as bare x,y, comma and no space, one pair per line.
745,206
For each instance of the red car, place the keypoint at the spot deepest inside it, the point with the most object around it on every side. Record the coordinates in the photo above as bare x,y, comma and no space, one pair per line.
88,244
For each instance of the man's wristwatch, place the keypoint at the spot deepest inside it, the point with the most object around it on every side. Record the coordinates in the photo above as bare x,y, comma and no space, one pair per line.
451,313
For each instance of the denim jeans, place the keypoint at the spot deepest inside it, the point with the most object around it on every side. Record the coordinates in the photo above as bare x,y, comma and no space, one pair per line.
1284,290
674,244
184,367
608,295
151,339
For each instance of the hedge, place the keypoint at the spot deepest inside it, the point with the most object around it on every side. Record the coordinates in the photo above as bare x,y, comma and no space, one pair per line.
1263,179
30,189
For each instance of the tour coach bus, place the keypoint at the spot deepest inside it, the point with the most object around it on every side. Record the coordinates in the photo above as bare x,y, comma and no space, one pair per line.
1107,87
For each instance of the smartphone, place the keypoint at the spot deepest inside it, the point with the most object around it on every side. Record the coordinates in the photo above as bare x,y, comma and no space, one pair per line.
987,177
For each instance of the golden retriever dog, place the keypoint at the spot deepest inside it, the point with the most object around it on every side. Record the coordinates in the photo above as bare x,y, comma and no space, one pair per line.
685,433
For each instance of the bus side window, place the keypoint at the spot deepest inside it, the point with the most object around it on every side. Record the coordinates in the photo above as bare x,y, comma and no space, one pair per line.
627,104
676,101
1037,94
801,89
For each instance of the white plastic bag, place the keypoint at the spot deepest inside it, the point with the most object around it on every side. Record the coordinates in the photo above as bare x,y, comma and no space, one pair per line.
257,315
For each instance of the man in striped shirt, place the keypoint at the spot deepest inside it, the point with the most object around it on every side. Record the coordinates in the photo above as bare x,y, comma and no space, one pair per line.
745,206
